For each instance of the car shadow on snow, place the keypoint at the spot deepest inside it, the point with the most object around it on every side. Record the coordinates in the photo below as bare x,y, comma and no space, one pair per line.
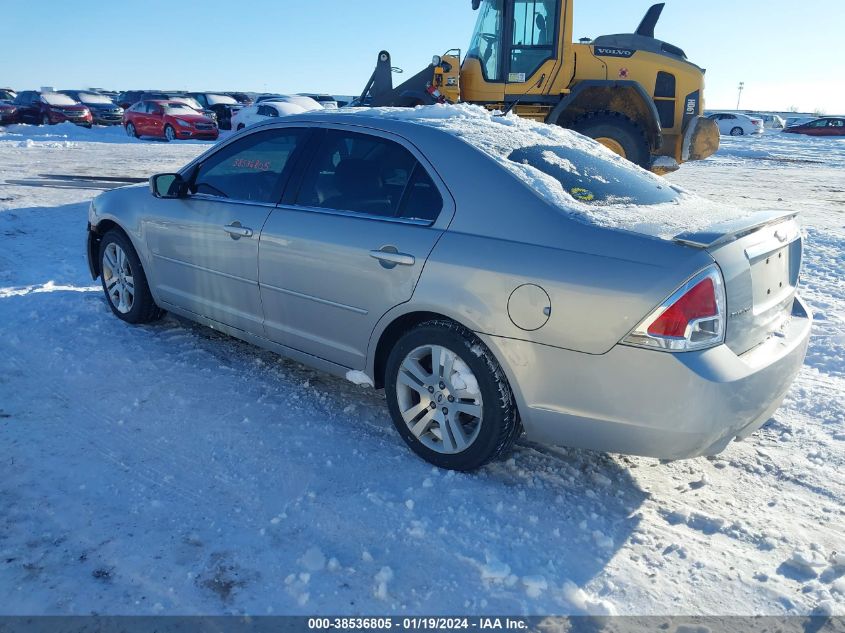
532,529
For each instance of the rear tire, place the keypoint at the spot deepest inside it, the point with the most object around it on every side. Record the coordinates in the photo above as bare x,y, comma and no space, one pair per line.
169,133
623,134
471,382
240,126
124,282
737,131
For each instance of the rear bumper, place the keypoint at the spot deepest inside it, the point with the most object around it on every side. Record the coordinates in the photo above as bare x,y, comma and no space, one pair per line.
656,404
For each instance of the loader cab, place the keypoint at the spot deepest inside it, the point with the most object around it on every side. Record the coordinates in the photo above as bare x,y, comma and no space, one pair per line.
516,47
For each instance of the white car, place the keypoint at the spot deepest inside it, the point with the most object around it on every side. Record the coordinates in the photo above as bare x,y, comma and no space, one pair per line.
264,110
737,124
327,101
771,121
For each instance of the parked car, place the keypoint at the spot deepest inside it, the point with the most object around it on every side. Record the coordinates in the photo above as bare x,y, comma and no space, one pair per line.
171,120
8,113
103,110
192,103
737,124
798,120
827,126
306,103
770,121
327,101
223,106
480,304
241,97
129,98
263,111
48,108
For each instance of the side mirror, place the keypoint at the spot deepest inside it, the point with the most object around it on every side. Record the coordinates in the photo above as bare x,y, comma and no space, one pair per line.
168,186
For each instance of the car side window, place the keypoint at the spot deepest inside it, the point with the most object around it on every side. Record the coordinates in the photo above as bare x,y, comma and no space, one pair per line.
359,173
821,123
422,200
249,169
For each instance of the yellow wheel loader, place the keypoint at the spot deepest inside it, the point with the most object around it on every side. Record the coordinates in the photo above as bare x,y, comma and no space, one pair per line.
633,93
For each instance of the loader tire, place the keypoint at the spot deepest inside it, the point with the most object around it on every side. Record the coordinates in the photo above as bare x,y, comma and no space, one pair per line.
619,134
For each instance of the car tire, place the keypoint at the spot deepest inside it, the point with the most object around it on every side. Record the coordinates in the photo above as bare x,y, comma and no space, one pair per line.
124,281
737,131
240,126
619,134
169,133
131,131
488,424
45,120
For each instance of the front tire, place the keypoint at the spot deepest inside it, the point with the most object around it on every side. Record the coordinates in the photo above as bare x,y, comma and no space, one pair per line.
449,398
124,282
45,120
131,131
169,133
737,131
619,134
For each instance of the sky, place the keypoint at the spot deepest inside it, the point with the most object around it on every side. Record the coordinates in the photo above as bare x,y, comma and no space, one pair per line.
787,57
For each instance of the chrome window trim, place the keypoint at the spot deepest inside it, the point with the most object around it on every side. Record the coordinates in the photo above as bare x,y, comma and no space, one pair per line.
355,214
210,198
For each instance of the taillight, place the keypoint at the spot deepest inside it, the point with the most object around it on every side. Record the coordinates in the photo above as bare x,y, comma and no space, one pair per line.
692,318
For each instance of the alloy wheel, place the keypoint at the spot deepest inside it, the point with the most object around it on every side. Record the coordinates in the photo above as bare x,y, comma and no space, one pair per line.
439,399
118,278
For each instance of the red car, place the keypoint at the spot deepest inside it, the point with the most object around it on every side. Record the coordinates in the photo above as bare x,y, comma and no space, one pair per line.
168,119
8,113
48,108
828,126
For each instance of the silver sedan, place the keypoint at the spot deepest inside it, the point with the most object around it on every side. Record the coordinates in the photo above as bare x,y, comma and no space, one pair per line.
494,276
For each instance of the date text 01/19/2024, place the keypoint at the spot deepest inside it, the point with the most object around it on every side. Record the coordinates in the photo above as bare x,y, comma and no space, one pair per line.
418,624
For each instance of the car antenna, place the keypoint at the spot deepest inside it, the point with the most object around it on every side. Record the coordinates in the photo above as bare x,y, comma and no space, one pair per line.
513,104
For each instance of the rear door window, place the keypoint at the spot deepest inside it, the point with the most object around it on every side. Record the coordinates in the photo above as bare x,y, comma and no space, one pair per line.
250,169
357,172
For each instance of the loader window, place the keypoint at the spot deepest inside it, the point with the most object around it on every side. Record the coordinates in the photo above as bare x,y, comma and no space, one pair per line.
534,23
487,40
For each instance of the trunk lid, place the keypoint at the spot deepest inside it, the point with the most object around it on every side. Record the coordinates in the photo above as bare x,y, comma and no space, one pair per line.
760,258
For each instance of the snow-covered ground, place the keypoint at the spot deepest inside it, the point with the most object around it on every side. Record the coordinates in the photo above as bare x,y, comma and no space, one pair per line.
169,469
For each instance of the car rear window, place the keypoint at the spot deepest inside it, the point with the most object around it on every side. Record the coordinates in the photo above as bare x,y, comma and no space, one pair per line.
593,179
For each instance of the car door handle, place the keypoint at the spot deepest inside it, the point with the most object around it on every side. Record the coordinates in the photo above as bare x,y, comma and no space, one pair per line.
236,230
394,258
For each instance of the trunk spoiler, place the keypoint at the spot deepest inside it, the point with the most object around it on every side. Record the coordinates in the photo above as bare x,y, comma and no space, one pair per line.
725,232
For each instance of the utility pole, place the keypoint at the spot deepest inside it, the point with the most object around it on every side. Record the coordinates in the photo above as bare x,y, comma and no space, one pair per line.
739,98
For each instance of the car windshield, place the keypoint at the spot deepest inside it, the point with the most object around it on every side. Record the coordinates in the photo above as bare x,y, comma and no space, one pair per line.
56,99
178,108
90,97
220,100
189,101
592,179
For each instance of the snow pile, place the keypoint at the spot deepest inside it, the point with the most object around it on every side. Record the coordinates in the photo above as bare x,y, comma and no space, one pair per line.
499,136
